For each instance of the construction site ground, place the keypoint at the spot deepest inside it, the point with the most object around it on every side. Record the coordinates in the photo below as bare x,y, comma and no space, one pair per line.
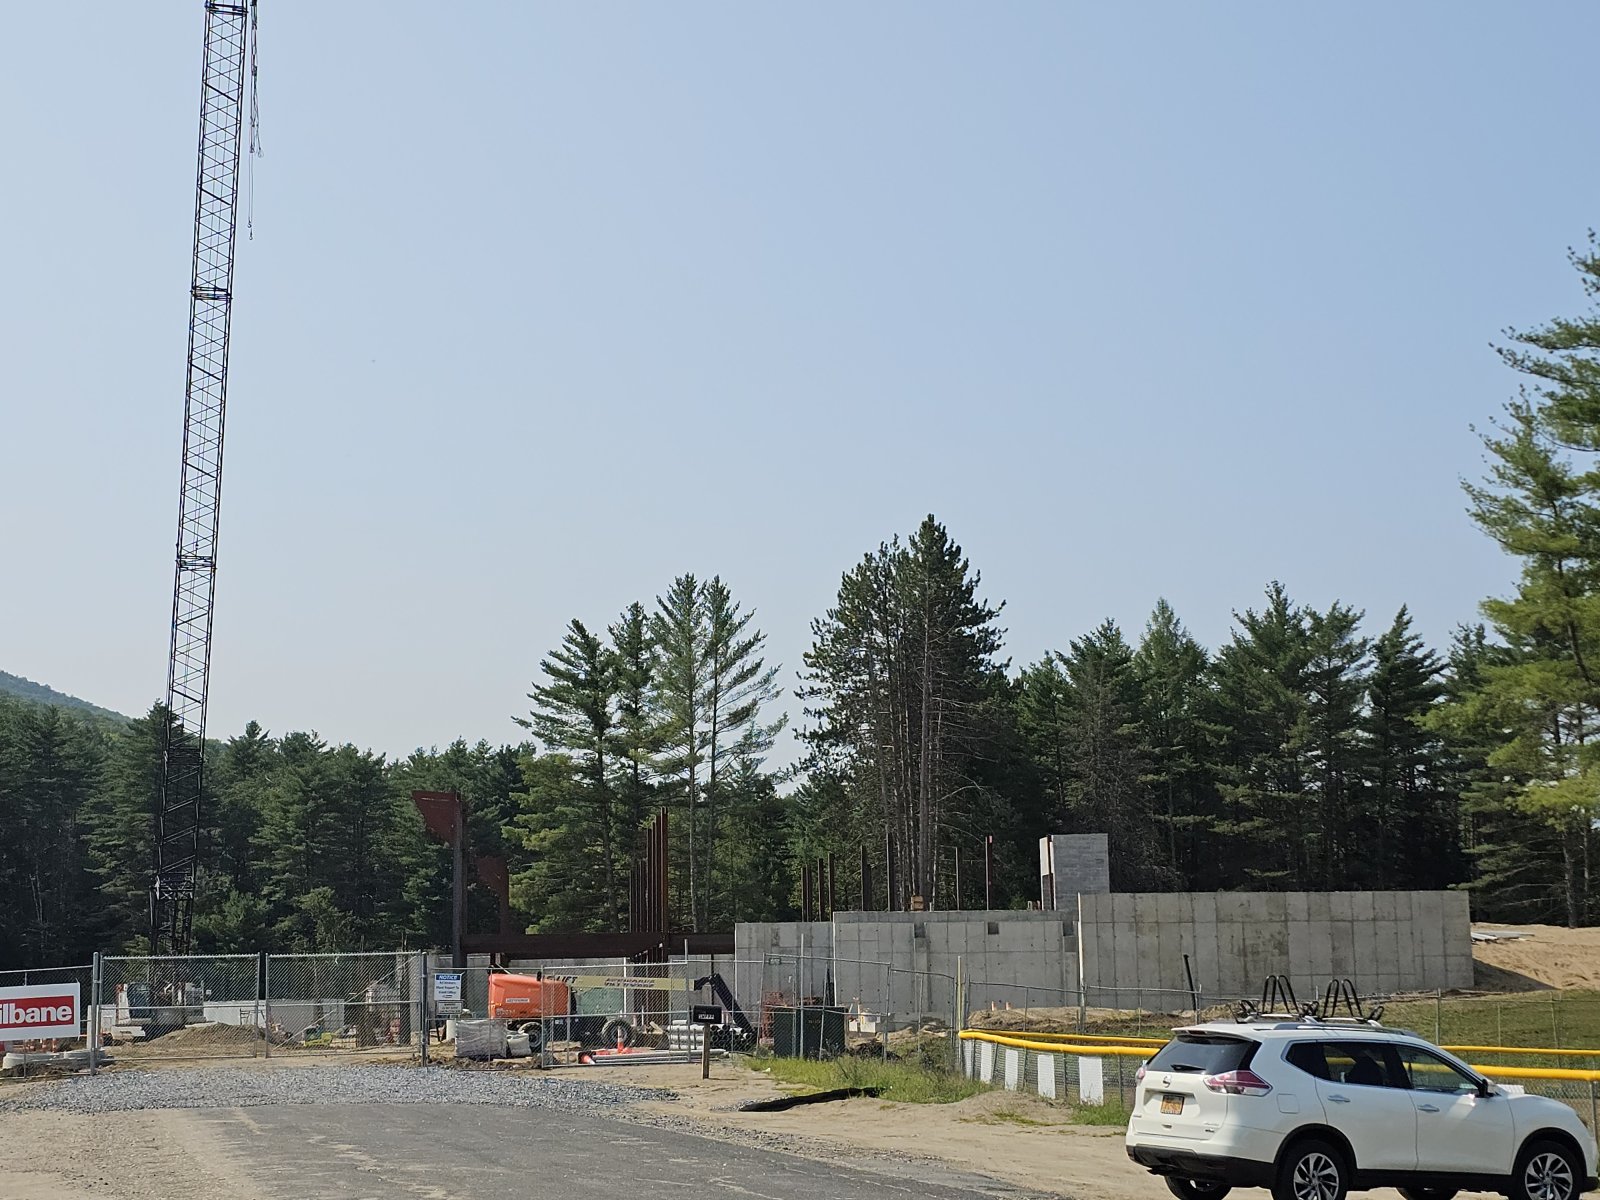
993,1144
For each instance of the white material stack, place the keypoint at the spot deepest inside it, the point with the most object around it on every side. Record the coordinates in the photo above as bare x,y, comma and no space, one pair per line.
481,1039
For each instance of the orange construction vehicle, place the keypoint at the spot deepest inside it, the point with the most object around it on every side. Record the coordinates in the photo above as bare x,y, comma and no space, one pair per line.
527,998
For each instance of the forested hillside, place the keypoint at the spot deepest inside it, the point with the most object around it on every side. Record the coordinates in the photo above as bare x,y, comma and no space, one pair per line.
27,689
1317,747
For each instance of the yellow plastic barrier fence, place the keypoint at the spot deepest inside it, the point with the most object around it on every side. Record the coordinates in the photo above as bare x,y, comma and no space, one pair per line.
1113,1051
1522,1050
1076,1038
1101,1051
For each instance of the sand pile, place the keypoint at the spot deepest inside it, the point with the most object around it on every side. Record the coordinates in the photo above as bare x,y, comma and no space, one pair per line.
1552,958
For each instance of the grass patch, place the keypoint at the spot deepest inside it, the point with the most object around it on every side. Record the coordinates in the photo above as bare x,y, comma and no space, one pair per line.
906,1082
1109,1112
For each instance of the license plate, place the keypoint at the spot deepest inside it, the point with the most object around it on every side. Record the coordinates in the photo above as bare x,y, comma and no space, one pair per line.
1171,1106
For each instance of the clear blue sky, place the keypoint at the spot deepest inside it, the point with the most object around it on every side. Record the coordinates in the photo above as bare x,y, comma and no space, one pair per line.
549,302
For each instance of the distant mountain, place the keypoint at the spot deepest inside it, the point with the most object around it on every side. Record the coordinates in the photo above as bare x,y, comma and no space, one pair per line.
38,693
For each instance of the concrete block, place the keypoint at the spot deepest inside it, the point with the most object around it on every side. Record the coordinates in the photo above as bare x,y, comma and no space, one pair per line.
1297,906
1045,1071
1385,906
1169,909
1146,910
1205,907
1318,906
1274,906
1363,906
1122,908
1341,906
1013,1068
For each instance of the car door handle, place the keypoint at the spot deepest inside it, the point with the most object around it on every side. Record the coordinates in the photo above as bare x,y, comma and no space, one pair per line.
1339,1099
1427,1108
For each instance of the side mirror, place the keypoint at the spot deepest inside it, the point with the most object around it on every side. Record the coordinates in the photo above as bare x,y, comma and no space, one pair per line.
1485,1089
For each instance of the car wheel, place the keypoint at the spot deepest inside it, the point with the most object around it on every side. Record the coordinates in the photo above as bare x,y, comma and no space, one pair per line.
1546,1171
1311,1170
1197,1189
1428,1193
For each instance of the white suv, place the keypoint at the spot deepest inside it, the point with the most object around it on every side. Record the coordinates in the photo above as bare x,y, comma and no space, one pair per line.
1314,1109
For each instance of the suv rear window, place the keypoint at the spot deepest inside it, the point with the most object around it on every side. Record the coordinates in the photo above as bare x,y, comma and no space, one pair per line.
1203,1053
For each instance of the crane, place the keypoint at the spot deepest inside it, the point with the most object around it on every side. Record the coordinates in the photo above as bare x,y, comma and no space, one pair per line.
228,60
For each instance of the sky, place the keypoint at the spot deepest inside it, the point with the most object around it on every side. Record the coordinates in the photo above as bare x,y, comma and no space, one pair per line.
548,303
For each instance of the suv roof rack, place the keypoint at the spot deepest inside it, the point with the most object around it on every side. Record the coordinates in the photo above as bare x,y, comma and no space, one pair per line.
1279,1005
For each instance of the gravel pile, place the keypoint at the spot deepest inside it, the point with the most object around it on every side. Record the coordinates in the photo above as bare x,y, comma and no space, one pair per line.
233,1087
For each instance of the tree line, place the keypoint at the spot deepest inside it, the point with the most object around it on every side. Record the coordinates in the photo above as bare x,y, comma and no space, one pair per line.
1312,749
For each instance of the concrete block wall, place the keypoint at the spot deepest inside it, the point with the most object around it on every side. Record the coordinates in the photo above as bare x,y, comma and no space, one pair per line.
1382,941
1071,864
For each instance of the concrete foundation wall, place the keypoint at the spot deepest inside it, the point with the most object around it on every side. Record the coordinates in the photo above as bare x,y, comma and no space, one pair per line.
1133,948
1383,941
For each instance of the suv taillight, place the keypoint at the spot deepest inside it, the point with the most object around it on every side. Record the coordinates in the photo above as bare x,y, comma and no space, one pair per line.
1237,1083
1138,1076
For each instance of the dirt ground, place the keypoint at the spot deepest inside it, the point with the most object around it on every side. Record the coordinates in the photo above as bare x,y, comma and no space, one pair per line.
1018,1140
1553,957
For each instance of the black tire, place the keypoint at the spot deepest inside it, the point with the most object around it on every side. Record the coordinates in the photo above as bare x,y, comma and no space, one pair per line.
535,1032
1428,1193
1197,1189
1546,1170
1311,1170
617,1030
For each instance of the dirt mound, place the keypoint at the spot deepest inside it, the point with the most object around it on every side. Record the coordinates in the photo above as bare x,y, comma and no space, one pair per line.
1552,958
197,1036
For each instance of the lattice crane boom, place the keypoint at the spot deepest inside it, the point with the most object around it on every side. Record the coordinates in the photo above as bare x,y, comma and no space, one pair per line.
226,64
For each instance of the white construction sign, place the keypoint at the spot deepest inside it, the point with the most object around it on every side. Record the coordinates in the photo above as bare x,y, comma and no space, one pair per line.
41,1010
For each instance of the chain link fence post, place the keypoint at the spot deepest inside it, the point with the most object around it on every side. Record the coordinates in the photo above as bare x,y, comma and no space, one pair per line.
94,1017
424,1024
266,1002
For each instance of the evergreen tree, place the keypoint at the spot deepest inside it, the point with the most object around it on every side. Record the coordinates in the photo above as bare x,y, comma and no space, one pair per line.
636,736
1416,819
899,692
738,685
1171,669
574,715
1107,753
678,633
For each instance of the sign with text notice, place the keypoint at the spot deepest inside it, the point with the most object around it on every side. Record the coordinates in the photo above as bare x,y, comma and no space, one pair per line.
41,1010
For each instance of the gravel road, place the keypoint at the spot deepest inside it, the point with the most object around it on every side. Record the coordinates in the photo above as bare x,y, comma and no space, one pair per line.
241,1087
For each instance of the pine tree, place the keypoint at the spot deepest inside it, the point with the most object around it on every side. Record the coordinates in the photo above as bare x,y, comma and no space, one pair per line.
1414,815
1106,747
678,633
636,737
1171,669
738,685
118,823
900,702
574,715
1267,829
